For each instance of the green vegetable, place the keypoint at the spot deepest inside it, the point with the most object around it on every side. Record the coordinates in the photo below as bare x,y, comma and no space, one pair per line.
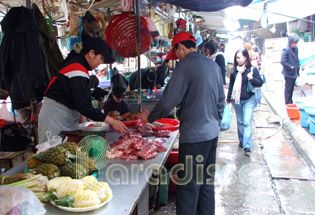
49,196
65,201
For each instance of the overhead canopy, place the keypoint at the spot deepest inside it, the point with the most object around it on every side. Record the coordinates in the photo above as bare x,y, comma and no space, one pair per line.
203,5
277,11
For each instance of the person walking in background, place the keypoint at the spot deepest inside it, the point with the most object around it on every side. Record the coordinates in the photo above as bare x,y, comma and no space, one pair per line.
256,62
196,86
291,67
242,97
162,72
254,58
211,52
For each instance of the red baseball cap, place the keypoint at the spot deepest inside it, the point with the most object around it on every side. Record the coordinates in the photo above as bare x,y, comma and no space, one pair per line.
179,37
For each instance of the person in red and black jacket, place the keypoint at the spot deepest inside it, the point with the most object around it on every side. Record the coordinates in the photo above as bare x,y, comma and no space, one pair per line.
68,94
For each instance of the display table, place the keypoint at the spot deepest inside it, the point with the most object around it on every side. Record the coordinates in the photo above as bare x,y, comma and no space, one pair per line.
127,179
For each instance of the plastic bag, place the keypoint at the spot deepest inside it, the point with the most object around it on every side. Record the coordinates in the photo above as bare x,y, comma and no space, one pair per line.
226,119
52,141
5,114
19,201
152,28
299,82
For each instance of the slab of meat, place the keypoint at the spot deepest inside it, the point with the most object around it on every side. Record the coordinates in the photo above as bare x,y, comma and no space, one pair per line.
133,147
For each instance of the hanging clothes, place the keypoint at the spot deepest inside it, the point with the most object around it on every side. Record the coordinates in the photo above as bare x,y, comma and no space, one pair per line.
47,40
22,62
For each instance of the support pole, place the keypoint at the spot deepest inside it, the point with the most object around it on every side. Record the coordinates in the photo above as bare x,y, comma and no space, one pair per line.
138,44
28,4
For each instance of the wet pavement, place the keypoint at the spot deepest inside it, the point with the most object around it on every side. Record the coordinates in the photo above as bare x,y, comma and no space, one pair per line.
278,178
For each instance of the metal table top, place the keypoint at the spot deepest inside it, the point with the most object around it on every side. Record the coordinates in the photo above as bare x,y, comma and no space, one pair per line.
127,180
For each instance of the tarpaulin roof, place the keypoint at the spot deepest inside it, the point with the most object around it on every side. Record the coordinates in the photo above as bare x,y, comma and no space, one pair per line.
203,5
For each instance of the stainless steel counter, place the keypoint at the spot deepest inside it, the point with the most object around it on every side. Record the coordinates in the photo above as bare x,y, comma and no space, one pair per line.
128,181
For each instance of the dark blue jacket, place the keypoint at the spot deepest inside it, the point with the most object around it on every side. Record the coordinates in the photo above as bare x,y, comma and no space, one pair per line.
290,65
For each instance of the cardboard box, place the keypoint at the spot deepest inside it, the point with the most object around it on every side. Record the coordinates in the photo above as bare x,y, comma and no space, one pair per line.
9,159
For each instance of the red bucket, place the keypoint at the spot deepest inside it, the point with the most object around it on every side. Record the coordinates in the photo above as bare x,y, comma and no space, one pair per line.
293,111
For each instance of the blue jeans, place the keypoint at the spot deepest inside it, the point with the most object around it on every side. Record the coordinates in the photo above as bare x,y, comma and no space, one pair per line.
244,115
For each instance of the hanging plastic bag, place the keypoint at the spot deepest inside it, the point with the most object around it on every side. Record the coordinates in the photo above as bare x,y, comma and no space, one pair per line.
152,28
52,141
226,119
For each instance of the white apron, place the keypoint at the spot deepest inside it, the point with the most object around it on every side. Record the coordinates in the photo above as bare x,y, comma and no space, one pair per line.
56,117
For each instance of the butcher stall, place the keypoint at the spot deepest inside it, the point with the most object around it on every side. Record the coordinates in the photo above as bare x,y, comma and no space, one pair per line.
130,161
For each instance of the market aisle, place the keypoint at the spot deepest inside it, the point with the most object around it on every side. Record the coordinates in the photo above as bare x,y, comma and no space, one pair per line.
275,180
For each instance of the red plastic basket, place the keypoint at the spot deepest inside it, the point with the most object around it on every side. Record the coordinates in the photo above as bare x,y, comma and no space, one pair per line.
121,35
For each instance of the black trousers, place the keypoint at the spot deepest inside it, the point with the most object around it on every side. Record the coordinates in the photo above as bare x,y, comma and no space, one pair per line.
196,196
288,90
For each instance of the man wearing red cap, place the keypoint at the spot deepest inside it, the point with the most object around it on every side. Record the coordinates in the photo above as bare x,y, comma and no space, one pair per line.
196,86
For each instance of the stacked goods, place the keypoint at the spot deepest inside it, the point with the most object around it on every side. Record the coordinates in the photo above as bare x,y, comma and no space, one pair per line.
62,160
132,147
78,193
36,183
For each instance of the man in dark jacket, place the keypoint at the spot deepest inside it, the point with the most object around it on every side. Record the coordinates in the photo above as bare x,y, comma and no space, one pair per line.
148,79
162,72
291,67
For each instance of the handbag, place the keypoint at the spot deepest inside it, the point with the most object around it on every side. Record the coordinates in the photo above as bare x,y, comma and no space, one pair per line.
250,88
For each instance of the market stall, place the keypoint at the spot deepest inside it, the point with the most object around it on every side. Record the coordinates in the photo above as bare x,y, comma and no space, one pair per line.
127,179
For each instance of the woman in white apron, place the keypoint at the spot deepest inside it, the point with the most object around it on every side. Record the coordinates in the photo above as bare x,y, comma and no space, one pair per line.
68,94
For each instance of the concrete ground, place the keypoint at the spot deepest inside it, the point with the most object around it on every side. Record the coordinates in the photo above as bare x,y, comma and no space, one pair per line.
278,178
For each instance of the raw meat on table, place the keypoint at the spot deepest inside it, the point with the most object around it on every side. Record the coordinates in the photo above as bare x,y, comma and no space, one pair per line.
134,146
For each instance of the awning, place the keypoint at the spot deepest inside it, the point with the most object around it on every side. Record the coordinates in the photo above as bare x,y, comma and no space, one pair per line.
203,5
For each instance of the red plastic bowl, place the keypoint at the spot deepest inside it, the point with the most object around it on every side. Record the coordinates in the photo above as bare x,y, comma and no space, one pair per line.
168,124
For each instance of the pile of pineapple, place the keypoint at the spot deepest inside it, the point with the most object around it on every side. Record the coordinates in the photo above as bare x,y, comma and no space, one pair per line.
62,160
79,193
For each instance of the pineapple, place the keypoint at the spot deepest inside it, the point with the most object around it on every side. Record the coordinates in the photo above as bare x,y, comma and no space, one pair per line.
53,183
49,170
88,163
74,170
102,189
88,181
69,188
92,166
56,155
86,198
71,146
33,162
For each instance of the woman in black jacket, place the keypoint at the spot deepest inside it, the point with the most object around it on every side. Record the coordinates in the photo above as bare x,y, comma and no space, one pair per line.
243,97
211,52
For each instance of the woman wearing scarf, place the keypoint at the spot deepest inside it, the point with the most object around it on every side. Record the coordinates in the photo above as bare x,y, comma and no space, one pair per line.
242,98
